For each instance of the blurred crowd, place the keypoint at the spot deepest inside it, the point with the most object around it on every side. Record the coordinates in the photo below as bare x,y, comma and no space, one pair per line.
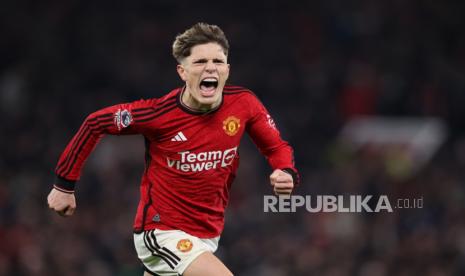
314,64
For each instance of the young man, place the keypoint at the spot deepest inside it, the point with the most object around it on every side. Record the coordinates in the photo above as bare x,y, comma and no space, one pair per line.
192,135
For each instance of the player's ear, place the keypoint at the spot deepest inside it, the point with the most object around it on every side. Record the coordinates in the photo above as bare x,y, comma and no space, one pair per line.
181,72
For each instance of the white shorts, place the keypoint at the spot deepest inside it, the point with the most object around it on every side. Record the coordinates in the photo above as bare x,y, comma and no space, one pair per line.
169,252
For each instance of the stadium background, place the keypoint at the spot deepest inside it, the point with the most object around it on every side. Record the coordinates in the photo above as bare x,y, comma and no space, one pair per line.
315,65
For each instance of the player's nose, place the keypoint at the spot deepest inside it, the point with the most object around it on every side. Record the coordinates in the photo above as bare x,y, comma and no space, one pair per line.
210,67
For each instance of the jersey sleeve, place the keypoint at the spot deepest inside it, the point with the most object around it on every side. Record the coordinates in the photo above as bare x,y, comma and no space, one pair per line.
266,136
121,119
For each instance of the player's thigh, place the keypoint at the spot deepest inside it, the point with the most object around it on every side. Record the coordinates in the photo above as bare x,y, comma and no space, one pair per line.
206,264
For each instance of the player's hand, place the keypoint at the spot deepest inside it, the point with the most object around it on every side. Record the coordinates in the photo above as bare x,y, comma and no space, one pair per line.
62,203
282,182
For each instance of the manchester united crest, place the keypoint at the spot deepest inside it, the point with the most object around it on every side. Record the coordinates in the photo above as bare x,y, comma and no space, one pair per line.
184,245
231,125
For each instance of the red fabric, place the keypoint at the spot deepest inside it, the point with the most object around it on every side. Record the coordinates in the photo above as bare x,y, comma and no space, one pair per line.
188,176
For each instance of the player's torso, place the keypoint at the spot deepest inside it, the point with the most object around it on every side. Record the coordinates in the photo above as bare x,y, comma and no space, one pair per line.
191,143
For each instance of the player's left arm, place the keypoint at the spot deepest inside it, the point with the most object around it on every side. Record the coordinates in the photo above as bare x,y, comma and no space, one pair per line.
278,153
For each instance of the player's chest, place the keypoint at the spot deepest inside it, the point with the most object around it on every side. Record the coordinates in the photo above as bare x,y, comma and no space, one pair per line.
200,132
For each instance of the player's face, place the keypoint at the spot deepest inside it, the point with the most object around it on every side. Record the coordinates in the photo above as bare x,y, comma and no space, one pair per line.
205,72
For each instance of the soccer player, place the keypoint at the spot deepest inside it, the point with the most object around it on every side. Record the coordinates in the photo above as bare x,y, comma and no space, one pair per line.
191,135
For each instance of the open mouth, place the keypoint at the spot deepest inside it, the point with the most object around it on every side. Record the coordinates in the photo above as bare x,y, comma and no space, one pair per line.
208,86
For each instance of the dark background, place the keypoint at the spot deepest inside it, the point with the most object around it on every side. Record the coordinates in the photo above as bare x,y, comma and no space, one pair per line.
315,65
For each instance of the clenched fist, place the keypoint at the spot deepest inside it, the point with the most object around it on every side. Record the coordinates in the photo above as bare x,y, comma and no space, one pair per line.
62,203
282,182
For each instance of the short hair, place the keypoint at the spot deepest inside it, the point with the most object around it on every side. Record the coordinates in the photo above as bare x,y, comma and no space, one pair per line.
200,33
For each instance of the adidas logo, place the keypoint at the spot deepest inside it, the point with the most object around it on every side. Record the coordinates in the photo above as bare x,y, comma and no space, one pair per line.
179,137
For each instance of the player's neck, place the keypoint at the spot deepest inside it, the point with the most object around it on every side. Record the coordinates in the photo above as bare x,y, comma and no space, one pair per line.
188,100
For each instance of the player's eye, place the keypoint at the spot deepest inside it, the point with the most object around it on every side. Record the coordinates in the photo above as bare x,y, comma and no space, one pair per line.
200,61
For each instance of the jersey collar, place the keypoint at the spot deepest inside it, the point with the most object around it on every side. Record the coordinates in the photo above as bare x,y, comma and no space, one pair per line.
192,111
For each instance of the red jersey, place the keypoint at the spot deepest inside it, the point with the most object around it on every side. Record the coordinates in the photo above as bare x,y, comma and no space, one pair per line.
191,156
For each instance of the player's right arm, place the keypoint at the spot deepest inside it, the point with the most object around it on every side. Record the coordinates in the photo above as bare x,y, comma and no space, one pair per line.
122,119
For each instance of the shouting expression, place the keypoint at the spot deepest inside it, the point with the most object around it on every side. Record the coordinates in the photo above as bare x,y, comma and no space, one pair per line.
205,72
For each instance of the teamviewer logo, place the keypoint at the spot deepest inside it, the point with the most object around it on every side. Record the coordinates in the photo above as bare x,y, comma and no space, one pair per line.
202,161
228,157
